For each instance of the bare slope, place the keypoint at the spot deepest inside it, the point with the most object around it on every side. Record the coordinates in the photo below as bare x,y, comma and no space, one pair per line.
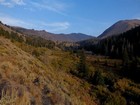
120,27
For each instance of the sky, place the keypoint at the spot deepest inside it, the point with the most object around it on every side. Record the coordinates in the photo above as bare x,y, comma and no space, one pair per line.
90,17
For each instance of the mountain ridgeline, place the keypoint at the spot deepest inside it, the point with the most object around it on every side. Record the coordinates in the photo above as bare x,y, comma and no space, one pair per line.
73,37
116,29
120,27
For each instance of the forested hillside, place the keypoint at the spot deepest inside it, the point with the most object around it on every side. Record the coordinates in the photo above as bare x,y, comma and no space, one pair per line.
117,46
112,63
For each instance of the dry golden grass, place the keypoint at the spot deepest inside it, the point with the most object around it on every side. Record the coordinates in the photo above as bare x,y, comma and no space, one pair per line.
127,85
15,97
24,70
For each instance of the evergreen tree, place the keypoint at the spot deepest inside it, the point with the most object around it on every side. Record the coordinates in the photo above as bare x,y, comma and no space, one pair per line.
83,68
98,78
125,58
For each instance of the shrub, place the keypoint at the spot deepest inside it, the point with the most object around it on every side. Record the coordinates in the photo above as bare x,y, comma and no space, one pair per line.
98,79
115,99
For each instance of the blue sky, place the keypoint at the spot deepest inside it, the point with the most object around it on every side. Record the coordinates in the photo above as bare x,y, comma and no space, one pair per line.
68,16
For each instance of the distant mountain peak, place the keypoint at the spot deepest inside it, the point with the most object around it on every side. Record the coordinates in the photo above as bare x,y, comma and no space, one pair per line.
73,37
120,27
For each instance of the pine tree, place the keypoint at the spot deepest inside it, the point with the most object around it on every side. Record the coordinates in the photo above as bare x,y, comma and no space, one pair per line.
98,78
125,57
83,68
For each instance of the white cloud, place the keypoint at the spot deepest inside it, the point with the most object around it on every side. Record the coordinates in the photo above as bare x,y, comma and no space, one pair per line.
29,9
51,6
5,3
18,2
14,21
57,26
137,18
51,27
2,1
11,3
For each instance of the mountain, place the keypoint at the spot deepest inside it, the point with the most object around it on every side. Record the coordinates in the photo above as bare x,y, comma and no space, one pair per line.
36,71
73,37
120,27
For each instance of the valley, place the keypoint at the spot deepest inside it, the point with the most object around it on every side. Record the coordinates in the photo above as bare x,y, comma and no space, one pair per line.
39,71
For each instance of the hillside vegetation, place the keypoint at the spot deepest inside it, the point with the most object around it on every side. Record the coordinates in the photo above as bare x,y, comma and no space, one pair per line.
34,75
36,71
116,61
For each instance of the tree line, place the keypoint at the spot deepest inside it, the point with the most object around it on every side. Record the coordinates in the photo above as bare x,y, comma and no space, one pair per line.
125,46
30,40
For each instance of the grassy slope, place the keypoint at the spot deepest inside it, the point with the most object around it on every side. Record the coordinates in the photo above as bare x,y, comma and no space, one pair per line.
38,82
122,90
